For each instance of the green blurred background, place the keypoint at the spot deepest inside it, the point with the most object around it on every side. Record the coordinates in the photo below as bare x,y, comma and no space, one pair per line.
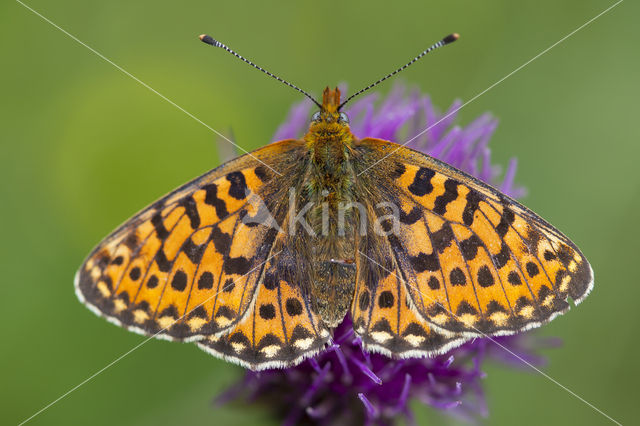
85,146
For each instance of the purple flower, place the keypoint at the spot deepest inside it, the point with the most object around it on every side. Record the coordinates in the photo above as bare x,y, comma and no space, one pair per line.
346,385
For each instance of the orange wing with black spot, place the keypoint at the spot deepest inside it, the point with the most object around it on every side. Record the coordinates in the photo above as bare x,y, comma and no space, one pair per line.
384,316
196,262
474,261
280,328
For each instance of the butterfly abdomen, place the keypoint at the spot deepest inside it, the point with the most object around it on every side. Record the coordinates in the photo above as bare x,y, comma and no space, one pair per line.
332,289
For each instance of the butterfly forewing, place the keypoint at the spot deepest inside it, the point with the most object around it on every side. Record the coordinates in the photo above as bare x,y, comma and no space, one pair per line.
475,261
187,265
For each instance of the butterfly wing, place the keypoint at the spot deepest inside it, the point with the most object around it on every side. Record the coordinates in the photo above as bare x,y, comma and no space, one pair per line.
280,329
192,263
383,313
475,261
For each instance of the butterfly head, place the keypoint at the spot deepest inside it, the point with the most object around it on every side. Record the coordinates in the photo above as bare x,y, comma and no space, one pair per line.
329,122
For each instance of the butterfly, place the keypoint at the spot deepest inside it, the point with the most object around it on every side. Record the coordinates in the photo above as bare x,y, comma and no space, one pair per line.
258,260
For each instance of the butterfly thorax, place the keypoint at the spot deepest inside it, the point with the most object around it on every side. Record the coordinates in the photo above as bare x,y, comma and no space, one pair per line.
329,189
329,132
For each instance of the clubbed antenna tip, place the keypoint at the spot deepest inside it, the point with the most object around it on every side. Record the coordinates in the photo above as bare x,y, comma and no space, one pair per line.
206,38
448,39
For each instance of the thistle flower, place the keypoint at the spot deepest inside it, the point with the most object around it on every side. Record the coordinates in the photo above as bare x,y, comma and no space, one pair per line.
347,385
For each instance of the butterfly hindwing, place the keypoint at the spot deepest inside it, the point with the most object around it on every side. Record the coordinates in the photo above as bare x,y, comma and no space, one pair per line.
280,328
189,264
476,261
383,313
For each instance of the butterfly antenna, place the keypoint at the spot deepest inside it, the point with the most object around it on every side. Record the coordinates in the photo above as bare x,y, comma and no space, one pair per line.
213,42
447,40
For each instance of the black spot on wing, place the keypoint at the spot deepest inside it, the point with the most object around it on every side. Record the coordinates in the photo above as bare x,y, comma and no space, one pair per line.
473,202
421,184
270,281
241,339
152,282
238,188
457,277
225,311
522,302
412,217
221,241
465,308
514,278
228,285
382,325
502,257
131,241
433,283
158,225
144,305
299,332
163,263
237,265
267,311
469,247
293,307
450,194
199,312
543,292
415,329
134,273
386,299
485,278
124,296
268,340
387,225
169,311
425,262
191,210
493,307
211,198
442,238
179,281
194,252
506,219
532,269
205,281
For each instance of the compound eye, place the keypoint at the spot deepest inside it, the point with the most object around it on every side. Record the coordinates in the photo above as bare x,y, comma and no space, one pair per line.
316,116
343,119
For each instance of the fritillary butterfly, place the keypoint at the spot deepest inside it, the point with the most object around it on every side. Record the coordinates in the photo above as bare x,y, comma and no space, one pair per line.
259,259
